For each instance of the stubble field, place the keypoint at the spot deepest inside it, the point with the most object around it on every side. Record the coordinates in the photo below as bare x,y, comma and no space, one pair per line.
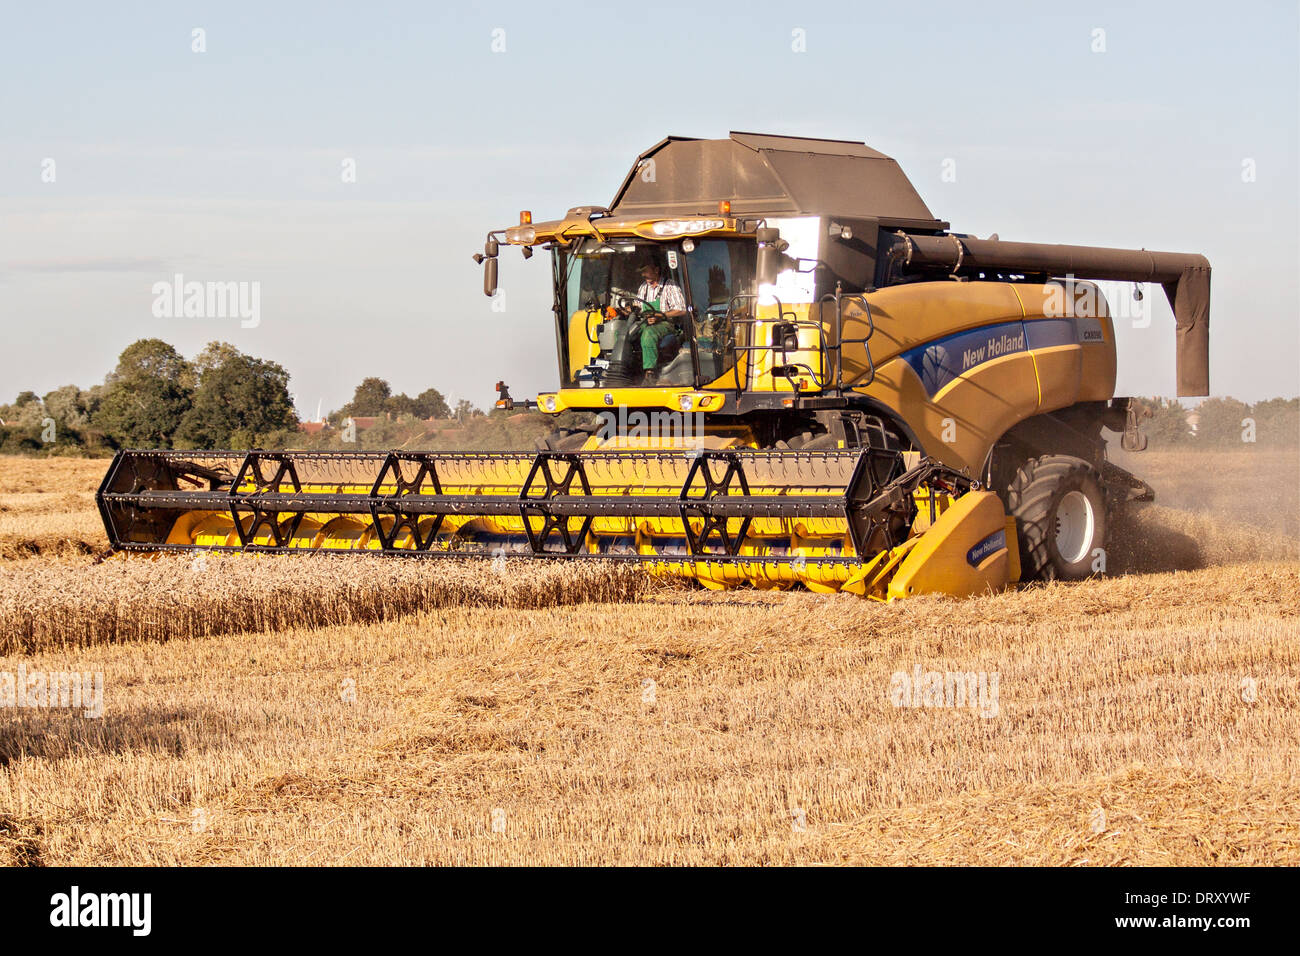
362,712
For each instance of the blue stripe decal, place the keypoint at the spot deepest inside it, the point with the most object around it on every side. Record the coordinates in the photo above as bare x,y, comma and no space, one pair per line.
1048,333
990,545
939,362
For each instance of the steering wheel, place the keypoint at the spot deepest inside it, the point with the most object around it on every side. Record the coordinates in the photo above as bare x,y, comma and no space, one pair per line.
644,313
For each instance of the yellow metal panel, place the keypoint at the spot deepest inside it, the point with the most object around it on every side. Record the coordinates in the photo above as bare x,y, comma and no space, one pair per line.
1082,301
562,229
960,423
582,332
963,553
598,399
909,315
809,353
1013,551
1059,371
968,414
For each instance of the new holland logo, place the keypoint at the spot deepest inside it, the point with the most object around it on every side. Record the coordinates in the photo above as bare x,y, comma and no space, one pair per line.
990,545
938,363
960,354
991,348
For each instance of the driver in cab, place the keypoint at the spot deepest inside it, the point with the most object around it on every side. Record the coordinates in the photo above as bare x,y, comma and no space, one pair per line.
659,299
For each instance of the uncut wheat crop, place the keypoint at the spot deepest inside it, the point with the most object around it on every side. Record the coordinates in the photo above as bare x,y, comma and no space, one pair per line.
52,606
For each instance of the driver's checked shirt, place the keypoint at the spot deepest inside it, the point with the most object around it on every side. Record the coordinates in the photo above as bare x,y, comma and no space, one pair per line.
669,295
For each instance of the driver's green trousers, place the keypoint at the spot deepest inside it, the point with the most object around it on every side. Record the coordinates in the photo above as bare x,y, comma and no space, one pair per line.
650,336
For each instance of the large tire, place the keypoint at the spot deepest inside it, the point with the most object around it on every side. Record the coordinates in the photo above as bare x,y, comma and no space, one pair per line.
1060,513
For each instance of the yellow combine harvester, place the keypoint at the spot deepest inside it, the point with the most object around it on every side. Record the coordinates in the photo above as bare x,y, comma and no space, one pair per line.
794,374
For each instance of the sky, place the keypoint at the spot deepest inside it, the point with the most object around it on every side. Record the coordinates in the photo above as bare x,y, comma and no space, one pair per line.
128,156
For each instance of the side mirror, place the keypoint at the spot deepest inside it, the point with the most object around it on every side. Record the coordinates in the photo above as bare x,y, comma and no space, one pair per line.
489,260
770,249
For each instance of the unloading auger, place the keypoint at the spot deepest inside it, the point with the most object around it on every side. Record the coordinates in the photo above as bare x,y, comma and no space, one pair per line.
830,520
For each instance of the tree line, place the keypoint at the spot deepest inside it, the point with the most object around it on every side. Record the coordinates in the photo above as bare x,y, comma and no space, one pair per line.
156,398
1222,422
374,398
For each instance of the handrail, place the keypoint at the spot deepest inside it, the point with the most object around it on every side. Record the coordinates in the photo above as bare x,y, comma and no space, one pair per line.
832,375
839,298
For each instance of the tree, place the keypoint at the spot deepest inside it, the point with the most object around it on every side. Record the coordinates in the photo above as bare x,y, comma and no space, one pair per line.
431,404
369,398
375,397
69,407
25,410
428,404
239,402
1220,421
1167,424
145,396
1278,421
399,405
214,355
465,410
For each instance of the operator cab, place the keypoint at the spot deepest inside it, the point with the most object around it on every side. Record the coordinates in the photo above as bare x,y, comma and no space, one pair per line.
616,324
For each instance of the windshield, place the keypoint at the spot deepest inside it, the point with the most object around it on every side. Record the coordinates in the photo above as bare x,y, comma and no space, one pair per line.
635,312
720,269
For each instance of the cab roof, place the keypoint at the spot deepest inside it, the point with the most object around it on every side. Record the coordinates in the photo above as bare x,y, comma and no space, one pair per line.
777,176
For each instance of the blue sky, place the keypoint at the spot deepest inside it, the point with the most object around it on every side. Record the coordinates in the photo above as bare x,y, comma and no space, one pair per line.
225,165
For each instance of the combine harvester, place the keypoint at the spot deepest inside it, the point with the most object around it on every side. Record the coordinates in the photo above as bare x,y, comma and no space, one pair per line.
797,375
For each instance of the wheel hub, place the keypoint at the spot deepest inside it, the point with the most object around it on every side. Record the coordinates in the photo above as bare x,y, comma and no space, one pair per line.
1075,526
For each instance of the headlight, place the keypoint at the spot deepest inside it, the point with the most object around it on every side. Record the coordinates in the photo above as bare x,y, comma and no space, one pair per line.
549,403
520,235
686,402
679,227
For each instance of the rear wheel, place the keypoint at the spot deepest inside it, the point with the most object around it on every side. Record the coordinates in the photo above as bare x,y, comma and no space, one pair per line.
1060,514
